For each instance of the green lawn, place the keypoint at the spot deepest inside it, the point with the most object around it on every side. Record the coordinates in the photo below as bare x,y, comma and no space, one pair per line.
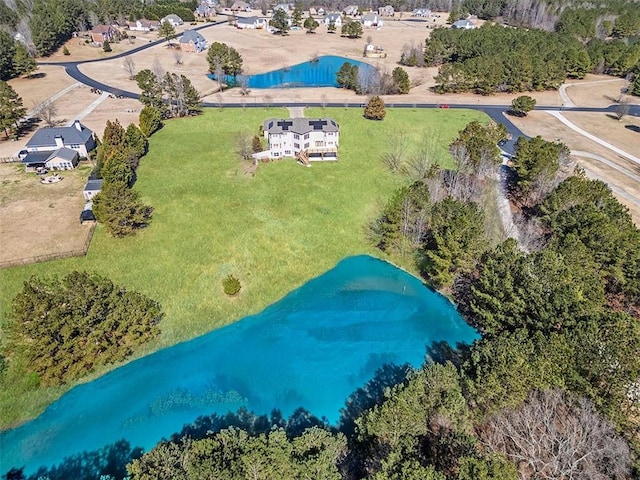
273,231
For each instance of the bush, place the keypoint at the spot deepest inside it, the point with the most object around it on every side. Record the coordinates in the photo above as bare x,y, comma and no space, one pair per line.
106,47
65,51
231,285
375,109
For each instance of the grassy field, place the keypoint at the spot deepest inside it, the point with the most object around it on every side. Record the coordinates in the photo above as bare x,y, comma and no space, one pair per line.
274,231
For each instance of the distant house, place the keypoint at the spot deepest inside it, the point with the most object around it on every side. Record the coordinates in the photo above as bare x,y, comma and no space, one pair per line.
420,12
464,24
287,7
204,11
143,25
92,188
240,6
251,22
317,11
76,137
192,41
371,20
351,10
316,139
173,19
104,33
333,17
386,11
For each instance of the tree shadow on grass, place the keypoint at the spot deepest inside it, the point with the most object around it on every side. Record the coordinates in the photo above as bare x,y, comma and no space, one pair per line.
109,461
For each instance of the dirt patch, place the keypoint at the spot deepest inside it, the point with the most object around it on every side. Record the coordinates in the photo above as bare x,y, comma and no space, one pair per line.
595,90
609,129
40,219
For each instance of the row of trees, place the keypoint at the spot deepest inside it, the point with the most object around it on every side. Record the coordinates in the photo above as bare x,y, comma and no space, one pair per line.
167,95
65,328
496,59
367,80
15,59
118,207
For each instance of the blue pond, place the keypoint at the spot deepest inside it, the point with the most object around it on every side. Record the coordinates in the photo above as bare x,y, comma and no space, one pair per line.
321,73
311,349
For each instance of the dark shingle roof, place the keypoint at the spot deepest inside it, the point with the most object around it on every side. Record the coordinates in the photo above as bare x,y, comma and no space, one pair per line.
46,137
35,158
247,20
93,185
300,125
191,36
65,154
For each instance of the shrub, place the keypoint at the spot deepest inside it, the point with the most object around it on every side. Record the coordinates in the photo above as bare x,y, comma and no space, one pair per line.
375,109
231,285
65,51
106,47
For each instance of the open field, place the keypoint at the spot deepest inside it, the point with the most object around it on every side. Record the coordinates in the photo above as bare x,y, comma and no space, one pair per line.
274,231
40,219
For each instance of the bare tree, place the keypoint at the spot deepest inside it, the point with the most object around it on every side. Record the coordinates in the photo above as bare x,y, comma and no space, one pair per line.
323,100
47,112
393,158
244,145
622,109
177,56
129,67
267,100
552,437
243,83
218,72
157,69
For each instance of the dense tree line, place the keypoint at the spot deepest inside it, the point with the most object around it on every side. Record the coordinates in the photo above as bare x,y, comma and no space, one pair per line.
365,80
11,108
168,94
117,206
65,328
15,59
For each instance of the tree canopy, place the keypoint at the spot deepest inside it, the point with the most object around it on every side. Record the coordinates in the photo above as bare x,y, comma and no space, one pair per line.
227,57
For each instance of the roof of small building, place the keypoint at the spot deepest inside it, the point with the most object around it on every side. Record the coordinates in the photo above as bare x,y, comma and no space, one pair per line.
300,125
462,24
191,36
332,16
172,17
35,158
370,16
248,20
46,137
101,29
64,153
93,185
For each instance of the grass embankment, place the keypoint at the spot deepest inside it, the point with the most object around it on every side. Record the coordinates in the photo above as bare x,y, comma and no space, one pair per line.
273,231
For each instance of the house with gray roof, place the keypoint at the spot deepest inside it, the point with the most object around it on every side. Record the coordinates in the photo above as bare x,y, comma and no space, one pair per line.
464,24
333,17
60,159
173,19
371,20
351,10
314,139
92,188
76,137
192,41
251,22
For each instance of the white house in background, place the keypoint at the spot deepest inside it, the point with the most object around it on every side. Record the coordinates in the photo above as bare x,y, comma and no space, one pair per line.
371,20
76,137
351,10
173,19
143,25
309,139
420,12
251,22
317,11
334,17
192,41
464,24
386,11
240,6
287,7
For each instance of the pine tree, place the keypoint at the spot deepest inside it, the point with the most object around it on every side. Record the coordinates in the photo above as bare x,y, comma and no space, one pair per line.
256,144
150,120
167,31
375,109
23,63
106,46
635,90
401,80
11,109
120,210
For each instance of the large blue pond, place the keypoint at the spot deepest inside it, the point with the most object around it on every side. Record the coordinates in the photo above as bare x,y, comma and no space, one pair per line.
319,73
311,349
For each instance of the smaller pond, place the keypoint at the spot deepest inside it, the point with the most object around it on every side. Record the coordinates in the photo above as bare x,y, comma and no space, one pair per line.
311,349
318,73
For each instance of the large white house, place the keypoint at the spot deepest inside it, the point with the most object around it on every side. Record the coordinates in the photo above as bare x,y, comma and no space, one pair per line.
315,139
333,17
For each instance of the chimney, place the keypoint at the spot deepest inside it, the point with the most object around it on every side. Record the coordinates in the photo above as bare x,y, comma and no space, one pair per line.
59,141
77,125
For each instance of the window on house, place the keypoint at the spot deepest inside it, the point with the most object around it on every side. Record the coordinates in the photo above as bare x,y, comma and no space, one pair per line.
319,143
306,145
296,145
296,136
287,152
306,137
75,145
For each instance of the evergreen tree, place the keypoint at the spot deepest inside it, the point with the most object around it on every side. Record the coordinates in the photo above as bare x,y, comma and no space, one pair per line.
227,57
150,120
7,55
119,209
106,46
151,94
635,89
536,157
167,31
23,63
280,21
522,105
401,80
296,16
347,76
11,109
331,28
256,144
311,24
375,109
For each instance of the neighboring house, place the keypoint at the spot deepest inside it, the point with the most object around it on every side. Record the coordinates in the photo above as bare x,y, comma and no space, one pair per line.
251,22
92,188
204,11
420,12
320,11
173,19
76,137
334,17
192,41
371,20
287,7
240,6
143,25
464,24
314,138
351,10
104,33
386,11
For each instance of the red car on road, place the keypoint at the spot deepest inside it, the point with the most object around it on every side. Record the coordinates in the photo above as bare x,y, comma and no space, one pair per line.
443,105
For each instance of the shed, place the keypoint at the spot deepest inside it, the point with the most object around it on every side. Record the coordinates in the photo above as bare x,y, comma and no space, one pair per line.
92,188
